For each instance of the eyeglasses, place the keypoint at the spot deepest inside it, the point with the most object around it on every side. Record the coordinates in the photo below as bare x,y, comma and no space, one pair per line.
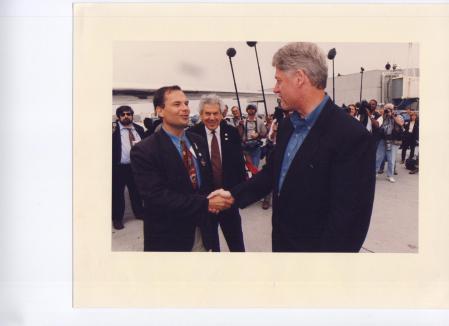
129,114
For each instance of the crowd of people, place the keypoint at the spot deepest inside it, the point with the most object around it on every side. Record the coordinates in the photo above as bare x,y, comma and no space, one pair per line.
315,162
392,131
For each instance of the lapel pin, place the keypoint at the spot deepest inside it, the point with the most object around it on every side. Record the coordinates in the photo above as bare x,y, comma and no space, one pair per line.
192,151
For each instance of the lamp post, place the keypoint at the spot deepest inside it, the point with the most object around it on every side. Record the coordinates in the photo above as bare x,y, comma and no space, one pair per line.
331,56
253,44
231,52
361,82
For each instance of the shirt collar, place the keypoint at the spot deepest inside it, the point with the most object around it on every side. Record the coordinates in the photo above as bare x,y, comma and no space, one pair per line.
131,126
209,132
310,119
175,138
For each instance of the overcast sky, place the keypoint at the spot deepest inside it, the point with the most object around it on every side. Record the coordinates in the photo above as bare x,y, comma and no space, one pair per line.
205,65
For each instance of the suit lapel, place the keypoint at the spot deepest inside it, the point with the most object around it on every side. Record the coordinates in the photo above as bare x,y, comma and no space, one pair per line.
172,158
224,140
312,141
308,147
202,156
281,145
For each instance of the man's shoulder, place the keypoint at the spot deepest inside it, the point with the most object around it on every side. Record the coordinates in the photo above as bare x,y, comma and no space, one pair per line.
344,124
228,128
194,136
137,127
148,143
197,129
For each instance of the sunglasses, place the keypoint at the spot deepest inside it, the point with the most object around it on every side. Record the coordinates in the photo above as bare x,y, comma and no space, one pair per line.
129,114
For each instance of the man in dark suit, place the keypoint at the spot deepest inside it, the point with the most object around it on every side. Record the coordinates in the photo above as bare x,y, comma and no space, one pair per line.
228,165
174,177
322,170
125,135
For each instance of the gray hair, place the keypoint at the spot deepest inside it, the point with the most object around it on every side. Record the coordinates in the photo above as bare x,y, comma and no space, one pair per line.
210,99
389,106
305,56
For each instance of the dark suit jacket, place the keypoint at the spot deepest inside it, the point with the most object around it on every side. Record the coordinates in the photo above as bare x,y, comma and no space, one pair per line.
233,163
117,143
327,197
413,137
173,209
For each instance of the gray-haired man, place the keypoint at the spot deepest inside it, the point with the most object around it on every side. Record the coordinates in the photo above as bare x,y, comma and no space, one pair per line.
228,166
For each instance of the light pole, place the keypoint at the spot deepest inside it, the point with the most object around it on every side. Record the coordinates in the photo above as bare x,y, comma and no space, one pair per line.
331,56
361,82
231,52
253,44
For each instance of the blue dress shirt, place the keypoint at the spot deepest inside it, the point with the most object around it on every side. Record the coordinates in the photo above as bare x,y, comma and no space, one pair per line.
177,142
301,127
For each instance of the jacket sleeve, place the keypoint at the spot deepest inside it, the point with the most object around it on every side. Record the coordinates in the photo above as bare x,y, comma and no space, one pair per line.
255,188
352,186
239,158
154,187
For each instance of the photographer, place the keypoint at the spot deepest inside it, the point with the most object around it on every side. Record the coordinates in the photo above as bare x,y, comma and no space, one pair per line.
411,136
367,116
253,131
390,135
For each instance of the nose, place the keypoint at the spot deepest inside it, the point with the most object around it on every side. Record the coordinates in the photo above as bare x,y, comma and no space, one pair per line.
185,107
276,89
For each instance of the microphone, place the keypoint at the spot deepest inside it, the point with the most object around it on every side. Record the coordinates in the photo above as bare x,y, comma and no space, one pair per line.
251,43
332,53
231,52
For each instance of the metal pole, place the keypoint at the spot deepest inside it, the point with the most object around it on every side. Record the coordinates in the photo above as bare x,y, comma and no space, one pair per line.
361,82
236,91
331,56
261,83
333,81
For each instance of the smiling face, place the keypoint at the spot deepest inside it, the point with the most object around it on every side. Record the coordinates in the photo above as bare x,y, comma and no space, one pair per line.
286,88
175,113
211,116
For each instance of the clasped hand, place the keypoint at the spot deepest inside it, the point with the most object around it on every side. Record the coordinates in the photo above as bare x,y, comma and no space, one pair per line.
219,200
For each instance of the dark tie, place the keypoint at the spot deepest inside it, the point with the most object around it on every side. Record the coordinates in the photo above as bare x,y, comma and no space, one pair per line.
131,137
189,165
216,161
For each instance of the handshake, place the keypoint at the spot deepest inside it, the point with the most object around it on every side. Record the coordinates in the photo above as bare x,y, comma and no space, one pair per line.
219,200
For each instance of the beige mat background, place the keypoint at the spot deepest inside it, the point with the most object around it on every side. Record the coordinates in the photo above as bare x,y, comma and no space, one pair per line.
110,279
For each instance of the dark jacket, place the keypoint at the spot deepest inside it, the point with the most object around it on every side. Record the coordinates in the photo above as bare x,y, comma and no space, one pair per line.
117,143
233,163
413,137
173,209
327,197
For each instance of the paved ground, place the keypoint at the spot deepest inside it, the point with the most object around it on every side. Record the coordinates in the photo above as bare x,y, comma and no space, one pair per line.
393,228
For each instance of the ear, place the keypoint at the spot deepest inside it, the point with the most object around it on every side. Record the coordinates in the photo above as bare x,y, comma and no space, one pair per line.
300,77
160,111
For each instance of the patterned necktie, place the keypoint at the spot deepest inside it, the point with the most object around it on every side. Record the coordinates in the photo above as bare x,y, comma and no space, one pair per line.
216,161
131,137
187,159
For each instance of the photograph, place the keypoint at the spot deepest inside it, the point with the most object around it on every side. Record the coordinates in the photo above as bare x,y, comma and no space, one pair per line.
351,184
